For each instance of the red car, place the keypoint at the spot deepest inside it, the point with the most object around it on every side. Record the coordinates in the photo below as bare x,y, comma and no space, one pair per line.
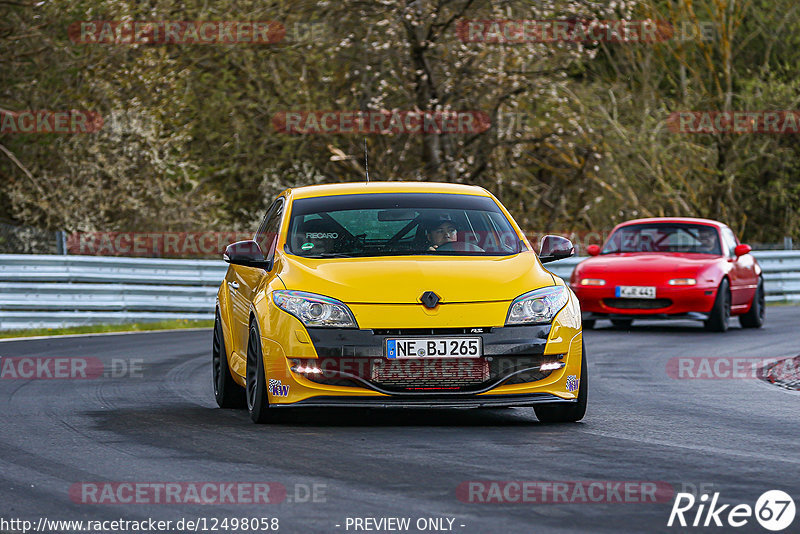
670,268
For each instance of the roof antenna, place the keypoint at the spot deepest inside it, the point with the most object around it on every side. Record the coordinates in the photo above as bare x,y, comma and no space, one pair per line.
366,159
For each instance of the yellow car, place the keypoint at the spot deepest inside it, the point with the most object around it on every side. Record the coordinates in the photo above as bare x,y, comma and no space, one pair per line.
396,294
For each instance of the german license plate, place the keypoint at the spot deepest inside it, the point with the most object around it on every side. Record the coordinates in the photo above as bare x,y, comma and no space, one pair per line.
434,347
636,292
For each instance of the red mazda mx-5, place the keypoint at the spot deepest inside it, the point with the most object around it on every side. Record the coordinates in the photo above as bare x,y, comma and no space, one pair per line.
671,268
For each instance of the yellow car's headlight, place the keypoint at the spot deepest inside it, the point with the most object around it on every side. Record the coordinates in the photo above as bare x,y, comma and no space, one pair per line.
538,306
315,310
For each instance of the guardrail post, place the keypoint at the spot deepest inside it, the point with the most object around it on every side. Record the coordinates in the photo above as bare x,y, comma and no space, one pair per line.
787,243
61,243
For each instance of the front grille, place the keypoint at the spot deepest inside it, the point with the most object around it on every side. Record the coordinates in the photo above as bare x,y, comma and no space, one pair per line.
439,373
410,375
637,304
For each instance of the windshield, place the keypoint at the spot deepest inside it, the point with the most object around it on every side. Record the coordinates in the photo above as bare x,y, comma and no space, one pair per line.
392,224
664,237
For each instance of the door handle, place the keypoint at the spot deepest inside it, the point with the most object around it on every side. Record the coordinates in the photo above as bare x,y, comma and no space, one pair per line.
233,285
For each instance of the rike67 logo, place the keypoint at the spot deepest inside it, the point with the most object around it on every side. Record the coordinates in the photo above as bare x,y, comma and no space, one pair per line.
774,510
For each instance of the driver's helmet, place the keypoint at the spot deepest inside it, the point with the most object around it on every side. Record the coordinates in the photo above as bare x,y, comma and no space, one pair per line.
708,239
432,222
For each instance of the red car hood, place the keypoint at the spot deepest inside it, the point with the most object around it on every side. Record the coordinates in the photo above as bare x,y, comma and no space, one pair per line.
646,266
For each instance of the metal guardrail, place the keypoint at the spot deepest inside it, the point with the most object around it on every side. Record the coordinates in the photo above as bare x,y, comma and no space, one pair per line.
55,291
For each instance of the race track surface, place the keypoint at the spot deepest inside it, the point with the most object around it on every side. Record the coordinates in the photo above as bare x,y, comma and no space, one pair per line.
160,424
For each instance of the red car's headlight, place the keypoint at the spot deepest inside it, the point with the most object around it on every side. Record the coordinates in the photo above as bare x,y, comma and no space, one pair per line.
682,282
593,282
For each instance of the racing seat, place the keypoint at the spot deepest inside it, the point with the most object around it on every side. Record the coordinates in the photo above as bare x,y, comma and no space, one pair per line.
320,234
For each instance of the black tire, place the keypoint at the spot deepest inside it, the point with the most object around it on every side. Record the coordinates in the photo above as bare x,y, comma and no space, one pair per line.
570,413
256,380
754,318
720,314
228,393
622,324
588,324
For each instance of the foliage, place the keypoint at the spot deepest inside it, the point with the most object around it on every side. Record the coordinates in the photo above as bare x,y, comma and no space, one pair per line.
578,138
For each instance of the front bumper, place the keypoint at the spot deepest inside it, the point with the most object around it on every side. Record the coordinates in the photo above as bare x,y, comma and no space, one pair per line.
495,401
357,358
690,316
670,303
370,343
512,355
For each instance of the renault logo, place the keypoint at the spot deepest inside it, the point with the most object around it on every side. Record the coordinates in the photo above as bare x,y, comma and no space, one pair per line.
429,299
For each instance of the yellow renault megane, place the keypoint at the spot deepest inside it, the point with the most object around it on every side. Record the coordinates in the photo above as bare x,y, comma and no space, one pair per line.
396,294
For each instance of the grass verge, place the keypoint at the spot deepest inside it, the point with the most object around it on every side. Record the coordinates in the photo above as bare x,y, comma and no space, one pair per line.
103,328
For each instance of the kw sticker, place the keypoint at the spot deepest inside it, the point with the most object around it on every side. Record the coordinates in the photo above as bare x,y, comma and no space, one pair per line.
277,389
572,383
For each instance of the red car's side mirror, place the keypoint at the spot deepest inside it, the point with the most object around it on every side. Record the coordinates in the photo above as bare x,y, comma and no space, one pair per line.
593,250
742,249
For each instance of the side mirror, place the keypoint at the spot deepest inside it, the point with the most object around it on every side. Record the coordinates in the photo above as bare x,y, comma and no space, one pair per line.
742,249
554,248
593,250
246,253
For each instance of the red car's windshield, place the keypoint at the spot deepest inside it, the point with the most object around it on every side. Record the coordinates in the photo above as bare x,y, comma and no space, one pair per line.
664,237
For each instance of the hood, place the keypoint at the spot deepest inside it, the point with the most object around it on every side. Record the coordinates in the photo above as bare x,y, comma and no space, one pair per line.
672,264
403,279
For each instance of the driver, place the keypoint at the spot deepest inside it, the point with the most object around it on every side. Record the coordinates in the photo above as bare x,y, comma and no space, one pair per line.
708,241
440,230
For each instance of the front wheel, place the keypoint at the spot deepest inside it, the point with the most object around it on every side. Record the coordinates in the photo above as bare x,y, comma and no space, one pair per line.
228,393
754,318
622,324
257,403
721,312
573,412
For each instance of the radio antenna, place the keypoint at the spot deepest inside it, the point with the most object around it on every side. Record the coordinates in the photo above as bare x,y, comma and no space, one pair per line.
366,159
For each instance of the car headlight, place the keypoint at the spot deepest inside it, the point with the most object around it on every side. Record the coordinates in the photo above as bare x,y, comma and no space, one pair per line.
538,306
682,282
315,310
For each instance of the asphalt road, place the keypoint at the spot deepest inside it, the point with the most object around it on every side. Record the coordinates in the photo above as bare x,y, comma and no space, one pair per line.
159,423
